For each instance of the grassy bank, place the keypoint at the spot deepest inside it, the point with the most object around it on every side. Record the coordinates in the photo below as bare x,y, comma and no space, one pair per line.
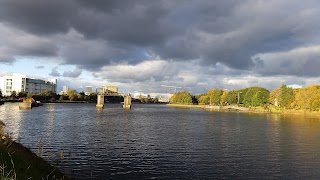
186,105
206,107
18,162
258,109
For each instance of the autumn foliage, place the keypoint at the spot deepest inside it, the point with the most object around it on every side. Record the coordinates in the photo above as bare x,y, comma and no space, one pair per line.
284,97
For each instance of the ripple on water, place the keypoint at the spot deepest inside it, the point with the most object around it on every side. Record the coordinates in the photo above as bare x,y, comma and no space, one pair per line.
154,141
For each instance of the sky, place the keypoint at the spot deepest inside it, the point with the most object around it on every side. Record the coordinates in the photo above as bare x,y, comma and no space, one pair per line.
140,45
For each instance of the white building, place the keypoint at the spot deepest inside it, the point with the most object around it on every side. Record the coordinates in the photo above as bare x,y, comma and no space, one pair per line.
19,82
65,89
88,90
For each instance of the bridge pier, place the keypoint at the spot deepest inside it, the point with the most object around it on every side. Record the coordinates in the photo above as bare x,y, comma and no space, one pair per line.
127,102
100,101
101,95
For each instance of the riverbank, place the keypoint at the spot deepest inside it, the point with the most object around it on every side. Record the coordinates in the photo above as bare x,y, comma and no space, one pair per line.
18,162
210,107
261,110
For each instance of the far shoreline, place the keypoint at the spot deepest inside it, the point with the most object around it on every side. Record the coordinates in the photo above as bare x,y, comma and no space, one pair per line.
258,110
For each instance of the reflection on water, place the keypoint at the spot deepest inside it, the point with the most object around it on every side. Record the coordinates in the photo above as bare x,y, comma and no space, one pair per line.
9,112
154,141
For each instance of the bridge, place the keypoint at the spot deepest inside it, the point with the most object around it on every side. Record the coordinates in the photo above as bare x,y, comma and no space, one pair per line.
105,92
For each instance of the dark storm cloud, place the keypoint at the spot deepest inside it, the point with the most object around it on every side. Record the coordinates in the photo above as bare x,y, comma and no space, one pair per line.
38,16
92,34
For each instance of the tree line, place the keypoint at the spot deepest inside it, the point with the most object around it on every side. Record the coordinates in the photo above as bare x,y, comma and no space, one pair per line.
284,97
50,96
72,96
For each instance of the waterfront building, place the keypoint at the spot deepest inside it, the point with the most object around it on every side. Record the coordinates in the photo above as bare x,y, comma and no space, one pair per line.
20,82
88,90
65,89
2,85
164,99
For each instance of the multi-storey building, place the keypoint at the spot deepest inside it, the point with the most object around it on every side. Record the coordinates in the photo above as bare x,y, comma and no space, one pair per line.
88,90
65,89
19,82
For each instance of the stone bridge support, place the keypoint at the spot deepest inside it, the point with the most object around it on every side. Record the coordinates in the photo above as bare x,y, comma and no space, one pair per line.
127,102
100,101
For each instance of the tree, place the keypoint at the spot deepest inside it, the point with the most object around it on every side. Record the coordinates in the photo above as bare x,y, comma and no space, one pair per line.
259,99
256,96
0,93
73,95
22,94
248,97
87,98
204,99
155,100
306,98
216,97
224,98
210,95
286,96
93,96
81,96
274,97
232,97
181,98
13,94
315,104
195,100
63,97
48,93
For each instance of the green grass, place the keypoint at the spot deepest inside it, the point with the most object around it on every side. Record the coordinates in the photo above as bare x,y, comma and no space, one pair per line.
18,162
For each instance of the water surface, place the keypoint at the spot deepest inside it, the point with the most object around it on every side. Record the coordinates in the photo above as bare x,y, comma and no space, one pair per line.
159,142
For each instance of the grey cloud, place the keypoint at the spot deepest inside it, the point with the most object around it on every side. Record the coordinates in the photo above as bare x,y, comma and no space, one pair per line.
37,16
18,43
155,70
297,62
54,72
93,34
74,74
39,67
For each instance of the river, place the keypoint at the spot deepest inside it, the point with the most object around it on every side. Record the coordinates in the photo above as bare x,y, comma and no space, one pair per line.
160,142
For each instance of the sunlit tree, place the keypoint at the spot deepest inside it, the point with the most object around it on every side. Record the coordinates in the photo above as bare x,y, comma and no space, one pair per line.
232,97
181,98
223,99
203,99
216,97
73,95
256,96
286,96
275,97
307,97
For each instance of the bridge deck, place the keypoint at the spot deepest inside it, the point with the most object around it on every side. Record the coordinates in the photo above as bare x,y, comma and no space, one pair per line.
108,94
